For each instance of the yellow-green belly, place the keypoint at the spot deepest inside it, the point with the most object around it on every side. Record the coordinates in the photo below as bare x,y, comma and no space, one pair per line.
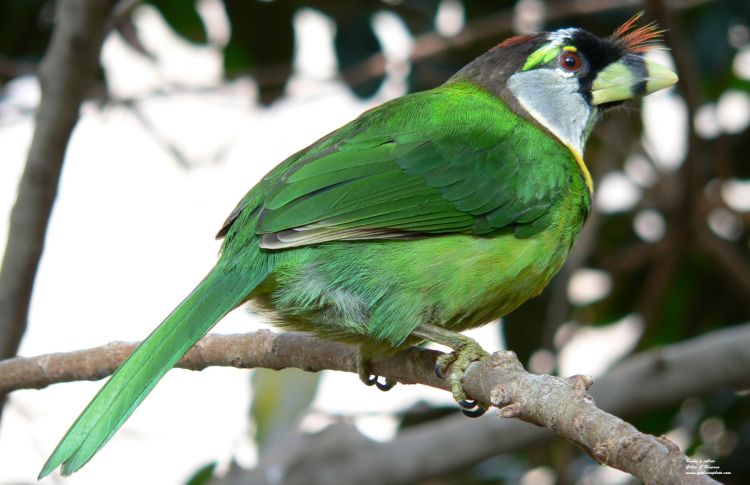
378,292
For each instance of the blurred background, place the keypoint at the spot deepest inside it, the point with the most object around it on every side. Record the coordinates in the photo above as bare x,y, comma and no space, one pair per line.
196,101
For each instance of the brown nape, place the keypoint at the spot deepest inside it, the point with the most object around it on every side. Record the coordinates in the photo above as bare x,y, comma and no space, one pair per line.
517,39
492,69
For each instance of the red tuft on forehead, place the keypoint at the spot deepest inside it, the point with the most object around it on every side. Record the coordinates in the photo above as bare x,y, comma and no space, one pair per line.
518,39
639,40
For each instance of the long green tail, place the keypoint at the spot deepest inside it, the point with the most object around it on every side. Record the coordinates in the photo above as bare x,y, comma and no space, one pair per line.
215,296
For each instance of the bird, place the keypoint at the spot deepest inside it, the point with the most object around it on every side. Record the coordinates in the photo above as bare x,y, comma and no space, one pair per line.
433,213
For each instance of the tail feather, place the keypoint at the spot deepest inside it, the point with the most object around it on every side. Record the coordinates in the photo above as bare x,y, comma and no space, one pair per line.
214,297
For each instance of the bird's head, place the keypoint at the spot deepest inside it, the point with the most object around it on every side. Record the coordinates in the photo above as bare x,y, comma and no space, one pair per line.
563,79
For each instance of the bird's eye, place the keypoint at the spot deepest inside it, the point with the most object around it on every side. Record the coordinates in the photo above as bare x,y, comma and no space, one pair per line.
570,61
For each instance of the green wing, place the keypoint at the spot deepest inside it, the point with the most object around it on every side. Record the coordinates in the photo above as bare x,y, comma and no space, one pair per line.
407,186
434,163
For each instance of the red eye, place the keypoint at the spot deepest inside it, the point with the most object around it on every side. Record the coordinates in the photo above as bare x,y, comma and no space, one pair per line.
570,61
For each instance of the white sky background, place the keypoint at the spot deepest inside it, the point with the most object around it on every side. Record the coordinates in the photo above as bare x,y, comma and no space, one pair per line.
132,232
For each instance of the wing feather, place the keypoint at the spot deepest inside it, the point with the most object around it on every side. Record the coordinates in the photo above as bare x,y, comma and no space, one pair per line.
385,176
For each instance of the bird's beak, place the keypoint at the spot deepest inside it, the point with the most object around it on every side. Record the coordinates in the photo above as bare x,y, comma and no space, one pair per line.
628,78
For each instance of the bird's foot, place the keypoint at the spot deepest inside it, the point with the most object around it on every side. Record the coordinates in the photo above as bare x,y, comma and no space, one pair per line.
465,351
458,361
363,369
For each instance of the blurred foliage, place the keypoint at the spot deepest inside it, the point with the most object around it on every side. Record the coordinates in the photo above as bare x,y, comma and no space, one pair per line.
203,475
680,285
182,18
280,399
256,26
25,28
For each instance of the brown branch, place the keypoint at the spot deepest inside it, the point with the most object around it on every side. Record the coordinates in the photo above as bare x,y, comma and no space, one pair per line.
558,404
67,71
644,383
246,351
565,407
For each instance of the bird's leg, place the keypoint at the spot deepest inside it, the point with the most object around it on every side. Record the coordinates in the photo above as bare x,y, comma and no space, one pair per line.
465,351
363,369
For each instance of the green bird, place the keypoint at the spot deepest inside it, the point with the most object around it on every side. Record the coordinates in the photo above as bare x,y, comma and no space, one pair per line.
433,213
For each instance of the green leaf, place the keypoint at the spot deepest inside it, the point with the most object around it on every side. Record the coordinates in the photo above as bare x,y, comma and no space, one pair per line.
203,475
261,44
183,18
25,28
355,42
280,398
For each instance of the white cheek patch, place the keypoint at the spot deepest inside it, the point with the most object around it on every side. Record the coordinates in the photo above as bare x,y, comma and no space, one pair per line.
552,98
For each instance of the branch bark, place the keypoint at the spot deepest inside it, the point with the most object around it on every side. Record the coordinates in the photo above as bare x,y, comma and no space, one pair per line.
645,382
66,73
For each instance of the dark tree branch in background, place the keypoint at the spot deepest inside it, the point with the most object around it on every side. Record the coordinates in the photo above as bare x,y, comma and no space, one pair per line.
133,106
642,383
66,73
431,44
729,258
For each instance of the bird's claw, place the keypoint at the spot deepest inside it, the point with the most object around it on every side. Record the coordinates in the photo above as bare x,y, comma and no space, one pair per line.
458,361
375,381
371,380
440,371
442,363
472,408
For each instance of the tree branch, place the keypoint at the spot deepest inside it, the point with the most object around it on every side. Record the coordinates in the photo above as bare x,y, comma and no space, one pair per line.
67,71
646,381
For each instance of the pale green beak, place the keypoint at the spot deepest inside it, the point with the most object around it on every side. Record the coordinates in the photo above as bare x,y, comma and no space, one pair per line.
630,77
